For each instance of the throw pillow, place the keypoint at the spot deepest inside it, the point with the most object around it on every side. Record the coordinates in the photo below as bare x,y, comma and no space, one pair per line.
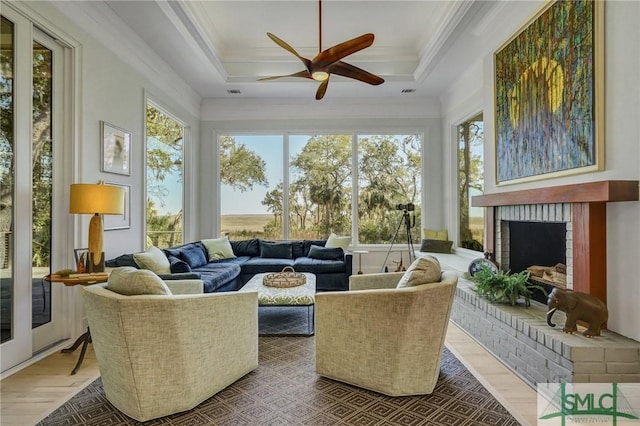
336,241
178,266
246,247
194,255
275,250
122,260
218,248
326,253
436,246
423,270
154,260
130,281
306,245
431,234
297,249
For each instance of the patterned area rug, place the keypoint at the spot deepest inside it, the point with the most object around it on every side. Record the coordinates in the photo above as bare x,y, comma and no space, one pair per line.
285,390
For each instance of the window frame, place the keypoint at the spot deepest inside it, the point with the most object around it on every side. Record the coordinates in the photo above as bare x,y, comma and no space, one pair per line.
187,203
455,170
29,27
354,134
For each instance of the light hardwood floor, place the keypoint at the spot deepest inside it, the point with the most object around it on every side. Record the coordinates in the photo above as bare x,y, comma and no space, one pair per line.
33,393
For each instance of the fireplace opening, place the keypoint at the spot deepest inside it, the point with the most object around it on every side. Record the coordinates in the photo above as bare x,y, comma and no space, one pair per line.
541,245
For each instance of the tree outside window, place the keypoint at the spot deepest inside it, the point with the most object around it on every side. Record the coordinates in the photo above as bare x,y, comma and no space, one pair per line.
251,186
471,182
320,180
320,191
165,161
389,174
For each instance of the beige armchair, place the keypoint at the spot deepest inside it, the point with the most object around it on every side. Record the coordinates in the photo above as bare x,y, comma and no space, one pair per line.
383,338
162,354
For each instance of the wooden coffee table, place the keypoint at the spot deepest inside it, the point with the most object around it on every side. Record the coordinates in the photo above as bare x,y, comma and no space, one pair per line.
302,295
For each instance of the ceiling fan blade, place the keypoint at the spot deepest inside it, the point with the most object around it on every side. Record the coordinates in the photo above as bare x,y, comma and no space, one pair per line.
304,74
287,47
322,89
339,51
347,70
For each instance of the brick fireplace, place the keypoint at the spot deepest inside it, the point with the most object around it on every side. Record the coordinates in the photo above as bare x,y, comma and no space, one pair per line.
583,207
535,235
521,338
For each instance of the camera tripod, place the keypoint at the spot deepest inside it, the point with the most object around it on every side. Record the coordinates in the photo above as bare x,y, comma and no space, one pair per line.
406,220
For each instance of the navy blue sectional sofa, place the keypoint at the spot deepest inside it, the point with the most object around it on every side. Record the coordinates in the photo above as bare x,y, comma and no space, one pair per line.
332,266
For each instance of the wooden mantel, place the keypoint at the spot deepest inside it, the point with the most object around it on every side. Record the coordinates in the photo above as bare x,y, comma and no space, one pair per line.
589,218
591,192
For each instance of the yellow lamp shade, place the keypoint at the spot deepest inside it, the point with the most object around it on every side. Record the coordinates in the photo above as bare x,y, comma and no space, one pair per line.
90,198
96,199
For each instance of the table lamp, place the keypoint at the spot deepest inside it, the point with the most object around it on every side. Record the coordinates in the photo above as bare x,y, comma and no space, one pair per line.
96,199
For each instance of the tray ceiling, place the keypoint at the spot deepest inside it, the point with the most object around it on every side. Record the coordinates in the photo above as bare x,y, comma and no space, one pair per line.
219,47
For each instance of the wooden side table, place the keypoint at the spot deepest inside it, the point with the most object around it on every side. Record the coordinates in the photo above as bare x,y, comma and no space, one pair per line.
78,279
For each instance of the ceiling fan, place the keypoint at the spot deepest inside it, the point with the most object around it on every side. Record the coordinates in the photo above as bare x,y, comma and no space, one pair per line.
329,62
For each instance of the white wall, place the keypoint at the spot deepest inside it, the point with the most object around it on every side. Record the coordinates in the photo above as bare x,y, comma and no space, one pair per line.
622,156
105,87
108,88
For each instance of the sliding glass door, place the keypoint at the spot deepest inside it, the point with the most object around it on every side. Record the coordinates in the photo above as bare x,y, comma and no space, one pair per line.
30,102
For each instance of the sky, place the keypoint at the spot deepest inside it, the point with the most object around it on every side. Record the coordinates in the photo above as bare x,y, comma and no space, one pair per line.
173,199
270,149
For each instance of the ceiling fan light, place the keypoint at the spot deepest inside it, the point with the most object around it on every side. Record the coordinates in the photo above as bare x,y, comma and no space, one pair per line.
320,75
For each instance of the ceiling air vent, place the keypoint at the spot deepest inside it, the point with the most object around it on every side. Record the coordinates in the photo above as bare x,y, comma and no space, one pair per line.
408,90
234,91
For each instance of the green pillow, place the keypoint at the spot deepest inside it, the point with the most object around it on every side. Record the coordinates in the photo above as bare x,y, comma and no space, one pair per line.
218,248
431,234
130,281
335,241
423,270
154,260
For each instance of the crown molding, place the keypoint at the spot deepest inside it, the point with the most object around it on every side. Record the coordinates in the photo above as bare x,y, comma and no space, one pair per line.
186,23
105,26
447,31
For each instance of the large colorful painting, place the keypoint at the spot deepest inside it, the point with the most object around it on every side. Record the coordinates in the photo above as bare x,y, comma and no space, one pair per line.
548,86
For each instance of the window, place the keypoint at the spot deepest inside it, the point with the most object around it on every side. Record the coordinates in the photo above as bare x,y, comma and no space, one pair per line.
251,186
318,180
389,179
471,182
31,232
42,175
320,186
165,159
7,176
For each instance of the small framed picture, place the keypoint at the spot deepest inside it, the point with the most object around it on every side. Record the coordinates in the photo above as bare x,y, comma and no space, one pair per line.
80,253
119,221
116,149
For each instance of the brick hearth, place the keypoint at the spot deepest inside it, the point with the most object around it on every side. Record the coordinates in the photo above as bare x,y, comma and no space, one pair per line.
522,340
519,336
